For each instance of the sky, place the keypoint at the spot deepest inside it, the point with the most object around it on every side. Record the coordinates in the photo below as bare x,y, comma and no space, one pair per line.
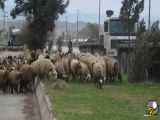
88,9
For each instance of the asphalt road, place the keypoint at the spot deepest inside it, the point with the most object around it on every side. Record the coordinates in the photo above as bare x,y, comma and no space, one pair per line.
18,107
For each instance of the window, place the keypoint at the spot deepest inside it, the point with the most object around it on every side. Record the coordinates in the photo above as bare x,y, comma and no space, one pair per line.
116,26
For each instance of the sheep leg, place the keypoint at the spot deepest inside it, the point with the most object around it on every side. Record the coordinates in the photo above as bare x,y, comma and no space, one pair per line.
100,82
12,89
16,89
21,87
3,89
120,77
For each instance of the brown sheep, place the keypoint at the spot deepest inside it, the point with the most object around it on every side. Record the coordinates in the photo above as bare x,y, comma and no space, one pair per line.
60,69
14,78
27,82
66,64
74,66
112,69
89,60
117,72
98,74
42,68
63,66
84,72
3,80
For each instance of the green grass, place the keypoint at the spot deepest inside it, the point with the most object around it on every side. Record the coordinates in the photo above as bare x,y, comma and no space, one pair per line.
115,102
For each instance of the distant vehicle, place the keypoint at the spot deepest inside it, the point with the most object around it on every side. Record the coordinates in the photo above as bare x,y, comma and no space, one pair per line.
116,37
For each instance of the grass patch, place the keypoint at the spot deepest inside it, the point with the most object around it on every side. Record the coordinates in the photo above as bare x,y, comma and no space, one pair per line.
114,102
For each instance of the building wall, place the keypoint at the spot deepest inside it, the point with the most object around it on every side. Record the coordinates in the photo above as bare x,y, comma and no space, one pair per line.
107,41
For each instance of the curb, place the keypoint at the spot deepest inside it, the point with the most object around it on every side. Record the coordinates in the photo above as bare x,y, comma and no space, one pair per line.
45,106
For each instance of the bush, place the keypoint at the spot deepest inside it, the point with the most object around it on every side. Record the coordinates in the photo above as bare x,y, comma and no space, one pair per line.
145,54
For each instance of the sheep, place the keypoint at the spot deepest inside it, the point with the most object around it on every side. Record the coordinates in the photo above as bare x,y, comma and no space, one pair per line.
43,68
3,80
60,69
14,78
27,82
63,66
98,74
112,69
41,56
66,64
89,60
74,66
54,58
84,72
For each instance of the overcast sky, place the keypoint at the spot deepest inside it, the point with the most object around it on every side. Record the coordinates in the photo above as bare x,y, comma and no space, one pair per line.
88,9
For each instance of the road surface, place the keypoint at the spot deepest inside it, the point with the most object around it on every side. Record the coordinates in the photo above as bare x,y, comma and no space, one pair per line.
18,107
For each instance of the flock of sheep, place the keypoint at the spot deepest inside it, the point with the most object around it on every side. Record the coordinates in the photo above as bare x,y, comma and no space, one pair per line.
13,77
20,74
87,68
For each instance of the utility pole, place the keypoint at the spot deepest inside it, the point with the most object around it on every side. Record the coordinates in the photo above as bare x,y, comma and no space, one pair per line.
99,19
149,16
4,20
77,24
66,28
